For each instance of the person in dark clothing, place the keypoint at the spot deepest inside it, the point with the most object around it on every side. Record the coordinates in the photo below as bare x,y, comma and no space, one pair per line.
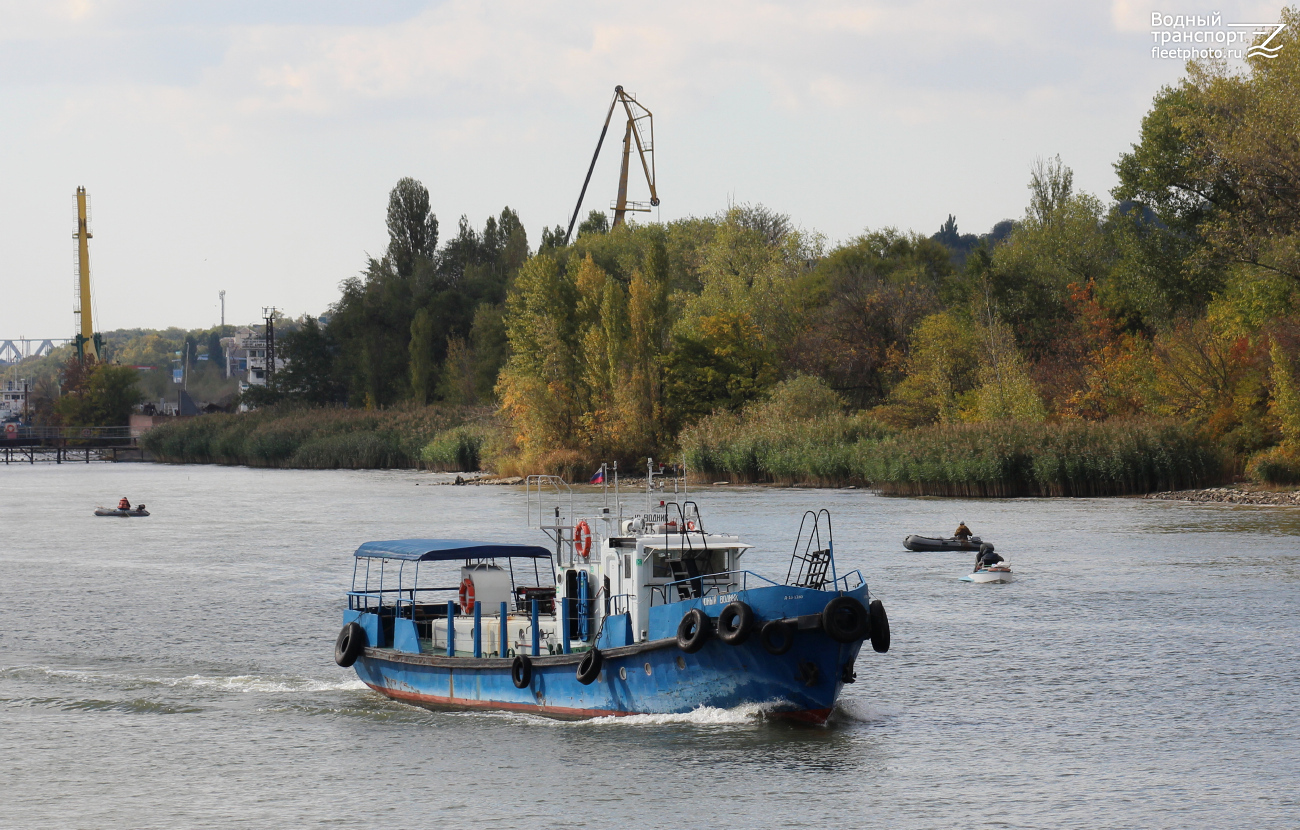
986,558
962,532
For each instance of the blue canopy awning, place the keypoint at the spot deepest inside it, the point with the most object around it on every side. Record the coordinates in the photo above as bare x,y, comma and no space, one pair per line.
424,550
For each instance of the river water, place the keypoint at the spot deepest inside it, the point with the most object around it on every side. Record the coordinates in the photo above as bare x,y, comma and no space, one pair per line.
177,671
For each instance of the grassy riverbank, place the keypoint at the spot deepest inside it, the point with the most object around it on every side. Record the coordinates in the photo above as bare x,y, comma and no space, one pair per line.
773,443
1075,458
320,438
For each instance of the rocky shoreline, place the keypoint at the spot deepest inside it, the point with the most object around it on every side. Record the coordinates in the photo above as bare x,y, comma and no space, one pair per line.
1230,495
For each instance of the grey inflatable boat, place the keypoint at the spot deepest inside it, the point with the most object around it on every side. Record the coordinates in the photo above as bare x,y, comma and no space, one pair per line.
931,543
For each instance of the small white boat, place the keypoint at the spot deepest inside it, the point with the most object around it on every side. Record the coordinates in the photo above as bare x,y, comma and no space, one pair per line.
1001,572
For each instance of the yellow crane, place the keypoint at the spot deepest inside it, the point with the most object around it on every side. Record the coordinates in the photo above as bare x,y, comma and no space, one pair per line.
89,344
640,131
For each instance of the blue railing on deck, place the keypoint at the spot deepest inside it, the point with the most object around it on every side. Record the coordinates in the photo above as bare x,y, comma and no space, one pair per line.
849,582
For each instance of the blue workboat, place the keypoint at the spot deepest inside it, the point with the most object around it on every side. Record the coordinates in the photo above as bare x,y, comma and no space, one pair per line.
612,616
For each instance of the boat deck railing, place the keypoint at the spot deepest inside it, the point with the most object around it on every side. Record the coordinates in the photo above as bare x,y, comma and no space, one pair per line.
705,585
620,604
373,599
849,582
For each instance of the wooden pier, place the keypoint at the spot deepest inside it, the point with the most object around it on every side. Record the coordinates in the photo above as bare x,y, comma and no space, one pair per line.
71,445
69,455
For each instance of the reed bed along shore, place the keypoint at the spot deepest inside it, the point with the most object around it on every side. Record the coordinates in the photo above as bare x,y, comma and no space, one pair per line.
317,438
1078,458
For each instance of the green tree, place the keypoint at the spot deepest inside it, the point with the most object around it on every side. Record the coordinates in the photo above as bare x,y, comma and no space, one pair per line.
1218,162
423,366
596,222
943,369
538,386
216,355
856,308
97,394
308,374
724,366
1006,392
412,226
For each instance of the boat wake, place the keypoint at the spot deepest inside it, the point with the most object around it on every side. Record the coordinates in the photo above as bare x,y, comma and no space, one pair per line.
243,683
857,711
135,706
256,683
749,713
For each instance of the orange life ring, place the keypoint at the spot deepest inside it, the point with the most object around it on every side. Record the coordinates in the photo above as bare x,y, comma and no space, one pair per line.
582,539
467,595
690,525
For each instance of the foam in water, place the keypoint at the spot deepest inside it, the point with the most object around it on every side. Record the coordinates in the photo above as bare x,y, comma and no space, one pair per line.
256,683
748,713
236,683
850,711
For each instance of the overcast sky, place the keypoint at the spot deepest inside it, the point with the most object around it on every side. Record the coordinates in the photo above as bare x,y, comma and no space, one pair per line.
251,145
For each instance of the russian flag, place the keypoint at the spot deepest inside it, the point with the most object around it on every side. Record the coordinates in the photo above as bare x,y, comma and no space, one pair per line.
599,477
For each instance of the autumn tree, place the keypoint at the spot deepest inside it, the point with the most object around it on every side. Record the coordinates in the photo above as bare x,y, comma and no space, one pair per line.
97,394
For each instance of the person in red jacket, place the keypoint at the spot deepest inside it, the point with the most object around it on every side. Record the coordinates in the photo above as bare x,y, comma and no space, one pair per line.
124,504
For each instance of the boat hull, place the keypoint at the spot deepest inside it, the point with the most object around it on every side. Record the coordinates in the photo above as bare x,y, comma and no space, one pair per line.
104,511
659,679
930,543
989,577
655,677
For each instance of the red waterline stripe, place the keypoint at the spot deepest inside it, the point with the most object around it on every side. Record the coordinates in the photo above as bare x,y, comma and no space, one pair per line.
816,716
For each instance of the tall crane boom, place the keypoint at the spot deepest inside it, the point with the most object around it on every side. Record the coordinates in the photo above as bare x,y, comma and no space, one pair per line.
88,343
639,131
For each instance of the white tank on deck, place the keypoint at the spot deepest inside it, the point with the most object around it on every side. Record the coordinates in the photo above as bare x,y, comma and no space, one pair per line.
491,587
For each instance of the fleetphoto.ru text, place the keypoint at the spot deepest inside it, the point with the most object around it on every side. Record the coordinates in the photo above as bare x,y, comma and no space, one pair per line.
1196,37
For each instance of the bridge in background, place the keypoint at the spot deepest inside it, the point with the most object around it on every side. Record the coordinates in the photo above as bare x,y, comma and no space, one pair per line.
12,351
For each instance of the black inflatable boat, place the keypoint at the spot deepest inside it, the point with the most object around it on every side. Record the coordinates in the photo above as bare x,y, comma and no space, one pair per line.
931,543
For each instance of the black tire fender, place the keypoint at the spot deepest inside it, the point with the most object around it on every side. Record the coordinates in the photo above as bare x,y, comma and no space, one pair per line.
735,623
589,669
845,620
879,626
521,671
776,636
349,645
694,631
